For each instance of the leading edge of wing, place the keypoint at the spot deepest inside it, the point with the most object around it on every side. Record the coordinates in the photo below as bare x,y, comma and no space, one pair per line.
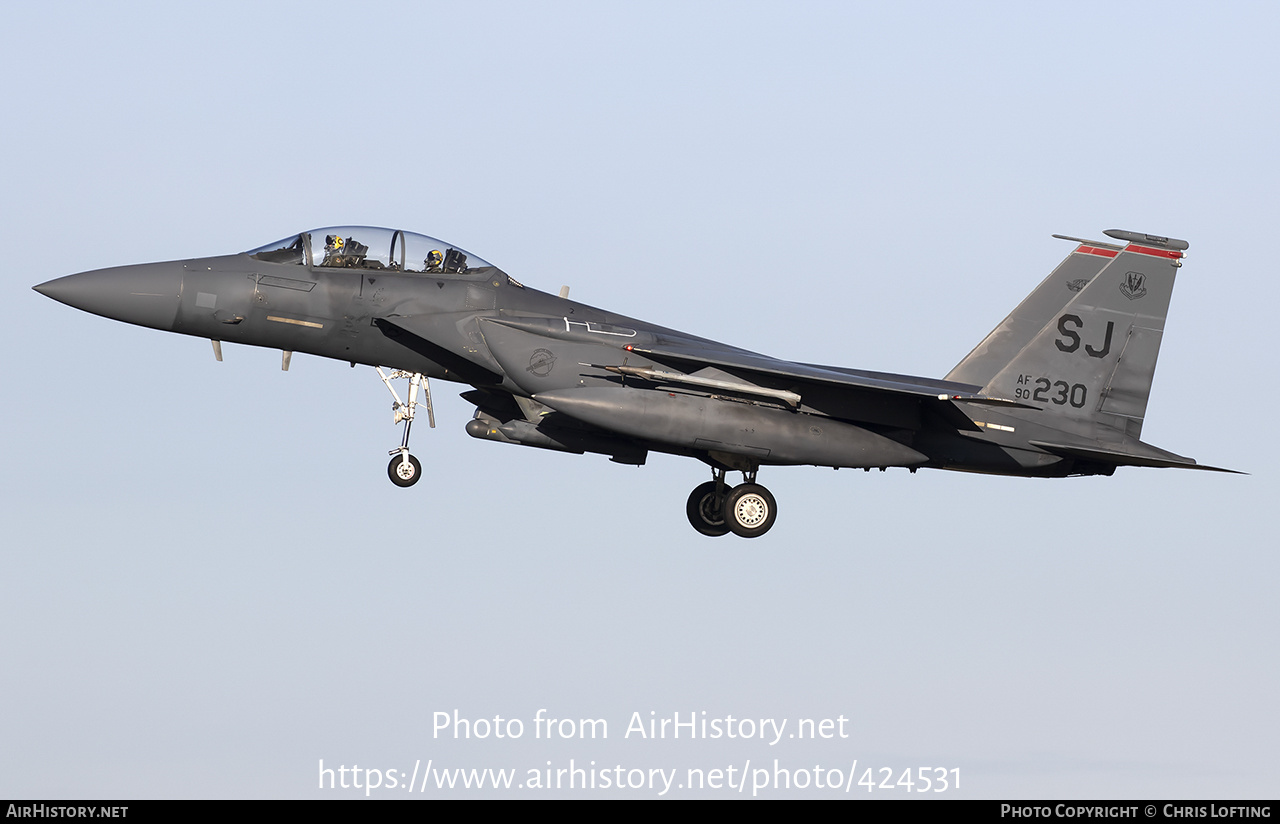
738,359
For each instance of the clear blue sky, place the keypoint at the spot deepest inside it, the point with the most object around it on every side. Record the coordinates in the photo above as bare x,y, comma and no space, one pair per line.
210,585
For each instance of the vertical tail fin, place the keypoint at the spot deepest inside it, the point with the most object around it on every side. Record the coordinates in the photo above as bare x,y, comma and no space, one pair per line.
1004,342
1090,366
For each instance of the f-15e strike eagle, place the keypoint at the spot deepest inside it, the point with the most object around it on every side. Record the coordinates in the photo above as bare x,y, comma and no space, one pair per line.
1058,388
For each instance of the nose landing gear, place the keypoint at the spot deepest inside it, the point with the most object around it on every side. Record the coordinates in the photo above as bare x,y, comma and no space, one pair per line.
404,469
747,510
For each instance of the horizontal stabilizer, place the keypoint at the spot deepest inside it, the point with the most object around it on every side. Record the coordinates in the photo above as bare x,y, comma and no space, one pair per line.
1142,455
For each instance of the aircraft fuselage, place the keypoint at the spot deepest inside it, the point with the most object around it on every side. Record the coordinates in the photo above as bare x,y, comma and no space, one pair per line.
553,373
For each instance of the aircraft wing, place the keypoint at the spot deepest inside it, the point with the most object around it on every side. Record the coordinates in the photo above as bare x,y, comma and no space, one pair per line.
691,355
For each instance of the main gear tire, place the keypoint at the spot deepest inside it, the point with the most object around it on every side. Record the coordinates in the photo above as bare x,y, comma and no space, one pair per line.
706,510
750,510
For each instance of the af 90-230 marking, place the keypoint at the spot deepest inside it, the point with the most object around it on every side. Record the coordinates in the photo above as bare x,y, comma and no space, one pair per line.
1075,394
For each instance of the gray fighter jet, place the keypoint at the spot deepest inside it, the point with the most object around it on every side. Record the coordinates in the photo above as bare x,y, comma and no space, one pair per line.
1058,388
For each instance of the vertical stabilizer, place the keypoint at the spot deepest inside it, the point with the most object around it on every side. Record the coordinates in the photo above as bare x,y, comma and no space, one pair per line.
1004,342
1089,368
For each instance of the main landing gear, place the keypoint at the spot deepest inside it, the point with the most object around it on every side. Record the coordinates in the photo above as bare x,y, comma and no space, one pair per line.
715,508
404,469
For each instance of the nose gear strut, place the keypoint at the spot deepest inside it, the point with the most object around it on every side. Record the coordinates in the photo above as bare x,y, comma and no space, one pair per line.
404,469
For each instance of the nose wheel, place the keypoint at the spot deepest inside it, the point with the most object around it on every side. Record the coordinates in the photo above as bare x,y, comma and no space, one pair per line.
404,469
747,510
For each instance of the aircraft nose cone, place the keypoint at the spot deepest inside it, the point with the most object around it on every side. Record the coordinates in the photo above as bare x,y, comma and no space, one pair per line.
146,295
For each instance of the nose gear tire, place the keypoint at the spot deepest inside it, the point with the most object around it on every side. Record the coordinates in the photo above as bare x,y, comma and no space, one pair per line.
402,475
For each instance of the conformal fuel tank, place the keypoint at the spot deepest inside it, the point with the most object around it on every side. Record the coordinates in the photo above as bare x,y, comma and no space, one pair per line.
768,434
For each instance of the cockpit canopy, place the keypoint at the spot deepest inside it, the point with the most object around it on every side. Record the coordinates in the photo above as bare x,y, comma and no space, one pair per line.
371,247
